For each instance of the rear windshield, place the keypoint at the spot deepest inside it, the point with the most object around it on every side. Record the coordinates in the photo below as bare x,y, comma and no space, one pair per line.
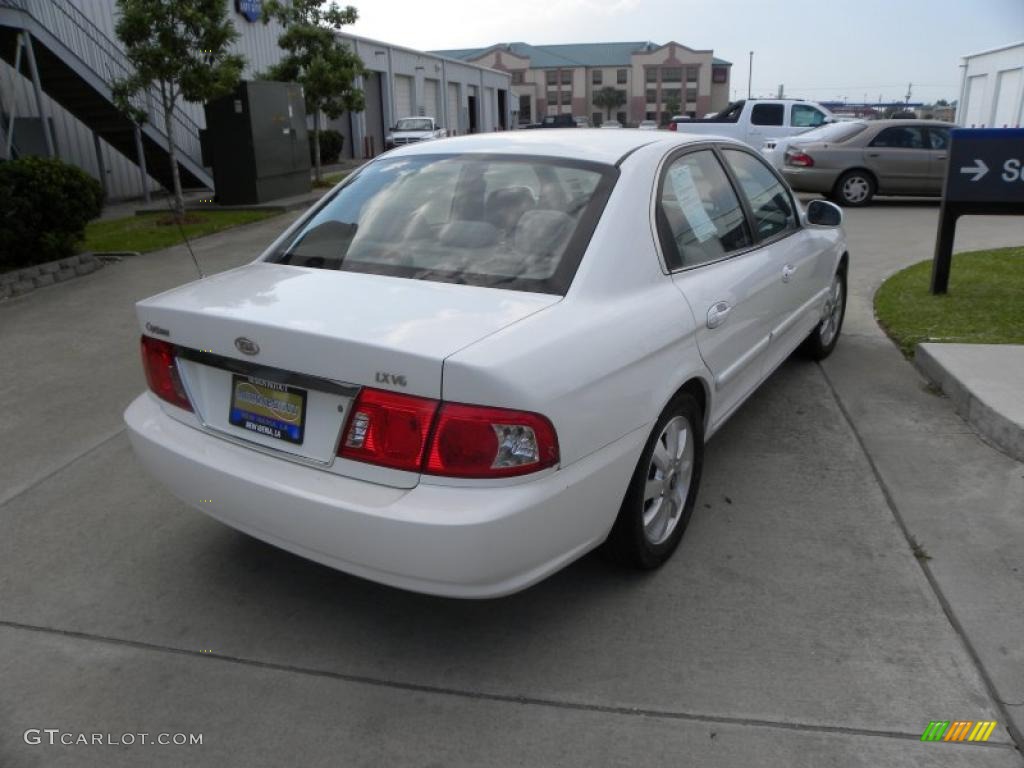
510,222
834,132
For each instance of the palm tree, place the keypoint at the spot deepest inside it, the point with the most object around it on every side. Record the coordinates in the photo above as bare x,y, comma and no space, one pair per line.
609,98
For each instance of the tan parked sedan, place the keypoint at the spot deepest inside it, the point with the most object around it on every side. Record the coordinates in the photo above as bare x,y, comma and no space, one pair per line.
884,157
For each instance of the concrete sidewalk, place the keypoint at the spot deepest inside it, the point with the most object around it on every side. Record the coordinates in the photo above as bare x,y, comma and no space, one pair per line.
985,382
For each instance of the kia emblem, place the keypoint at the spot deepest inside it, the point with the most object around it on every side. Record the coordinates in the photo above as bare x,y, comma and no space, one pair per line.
247,346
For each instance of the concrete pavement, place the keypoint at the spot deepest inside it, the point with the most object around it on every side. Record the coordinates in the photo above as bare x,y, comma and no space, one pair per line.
985,382
794,627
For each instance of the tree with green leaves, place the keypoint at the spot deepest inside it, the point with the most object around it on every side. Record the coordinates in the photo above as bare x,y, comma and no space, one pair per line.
672,106
182,49
317,59
609,98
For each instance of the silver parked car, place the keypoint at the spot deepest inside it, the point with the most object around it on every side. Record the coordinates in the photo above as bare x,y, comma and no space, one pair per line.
884,157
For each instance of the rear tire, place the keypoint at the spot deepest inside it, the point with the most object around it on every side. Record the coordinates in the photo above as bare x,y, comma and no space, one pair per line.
661,494
854,189
825,336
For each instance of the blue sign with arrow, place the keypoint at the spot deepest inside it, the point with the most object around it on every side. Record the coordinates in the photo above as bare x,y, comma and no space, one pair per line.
985,176
986,165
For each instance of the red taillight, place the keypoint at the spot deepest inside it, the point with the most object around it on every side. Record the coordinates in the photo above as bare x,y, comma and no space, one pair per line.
421,435
388,429
801,159
162,373
673,127
474,441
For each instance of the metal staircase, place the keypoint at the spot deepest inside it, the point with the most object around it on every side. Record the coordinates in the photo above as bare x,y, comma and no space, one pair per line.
77,64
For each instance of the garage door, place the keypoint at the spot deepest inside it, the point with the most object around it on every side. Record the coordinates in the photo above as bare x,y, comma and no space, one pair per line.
430,90
975,117
1007,88
403,97
453,108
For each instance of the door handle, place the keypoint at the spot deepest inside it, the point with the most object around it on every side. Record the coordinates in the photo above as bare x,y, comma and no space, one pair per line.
941,157
873,154
787,272
718,314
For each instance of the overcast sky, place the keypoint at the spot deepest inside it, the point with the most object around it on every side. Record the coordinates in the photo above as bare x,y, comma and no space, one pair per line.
823,50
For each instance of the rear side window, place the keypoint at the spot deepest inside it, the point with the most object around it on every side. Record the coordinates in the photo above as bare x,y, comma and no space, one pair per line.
491,220
804,116
772,205
768,114
903,137
938,138
698,214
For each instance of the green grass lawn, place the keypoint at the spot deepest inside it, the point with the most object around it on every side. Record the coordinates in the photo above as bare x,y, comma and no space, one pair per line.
985,303
152,231
330,179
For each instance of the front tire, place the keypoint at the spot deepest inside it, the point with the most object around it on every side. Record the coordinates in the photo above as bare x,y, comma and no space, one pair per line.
854,189
662,492
825,336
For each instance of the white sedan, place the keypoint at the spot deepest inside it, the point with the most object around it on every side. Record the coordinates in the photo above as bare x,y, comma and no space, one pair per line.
470,364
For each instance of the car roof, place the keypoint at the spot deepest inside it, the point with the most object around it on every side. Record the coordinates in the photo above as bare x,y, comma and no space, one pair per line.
592,144
909,121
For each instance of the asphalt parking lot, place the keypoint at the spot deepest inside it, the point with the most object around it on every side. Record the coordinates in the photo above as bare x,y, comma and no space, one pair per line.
794,627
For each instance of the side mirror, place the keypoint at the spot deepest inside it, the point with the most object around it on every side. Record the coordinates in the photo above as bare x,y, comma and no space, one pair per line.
821,213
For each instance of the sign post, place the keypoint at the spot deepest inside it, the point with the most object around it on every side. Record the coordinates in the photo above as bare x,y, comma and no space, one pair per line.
985,176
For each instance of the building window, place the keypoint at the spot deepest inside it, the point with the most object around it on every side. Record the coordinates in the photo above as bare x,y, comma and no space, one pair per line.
524,109
552,77
651,75
692,72
595,118
598,77
719,75
518,77
621,117
652,96
691,94
552,97
566,77
671,74
620,76
669,94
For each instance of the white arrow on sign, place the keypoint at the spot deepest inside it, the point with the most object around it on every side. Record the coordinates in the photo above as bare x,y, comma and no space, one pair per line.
979,169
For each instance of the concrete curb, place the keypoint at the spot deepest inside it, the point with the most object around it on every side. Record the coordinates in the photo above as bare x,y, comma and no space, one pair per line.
22,281
980,411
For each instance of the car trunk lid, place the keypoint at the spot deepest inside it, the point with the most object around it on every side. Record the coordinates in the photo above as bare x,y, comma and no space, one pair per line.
261,324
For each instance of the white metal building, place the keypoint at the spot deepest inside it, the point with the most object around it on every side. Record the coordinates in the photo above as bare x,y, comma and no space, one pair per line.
71,48
992,88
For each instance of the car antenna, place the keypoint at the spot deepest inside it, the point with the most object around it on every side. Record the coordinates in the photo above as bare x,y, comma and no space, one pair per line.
181,231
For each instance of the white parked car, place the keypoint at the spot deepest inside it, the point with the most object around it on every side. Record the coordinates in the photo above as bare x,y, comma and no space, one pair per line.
755,120
838,132
467,366
410,130
611,124
648,125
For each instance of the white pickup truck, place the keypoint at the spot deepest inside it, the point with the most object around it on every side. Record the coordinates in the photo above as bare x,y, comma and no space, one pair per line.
754,120
410,130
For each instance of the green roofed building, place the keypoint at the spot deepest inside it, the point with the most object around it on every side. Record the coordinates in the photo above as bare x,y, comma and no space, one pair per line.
562,79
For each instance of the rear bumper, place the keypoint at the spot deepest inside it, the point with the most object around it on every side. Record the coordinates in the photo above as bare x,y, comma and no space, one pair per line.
810,179
467,541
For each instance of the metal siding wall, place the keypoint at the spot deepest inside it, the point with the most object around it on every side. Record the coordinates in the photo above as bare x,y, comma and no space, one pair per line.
258,43
454,111
74,139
